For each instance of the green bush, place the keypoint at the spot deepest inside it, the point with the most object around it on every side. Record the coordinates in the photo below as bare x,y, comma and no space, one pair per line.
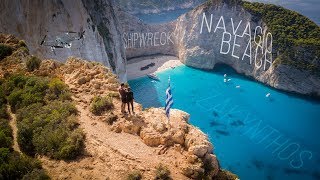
36,174
46,117
33,63
73,145
31,90
114,94
162,172
26,90
14,99
16,81
25,135
62,144
135,175
101,104
111,118
2,96
5,51
57,90
24,50
14,165
290,31
22,43
5,141
4,155
3,112
50,130
5,127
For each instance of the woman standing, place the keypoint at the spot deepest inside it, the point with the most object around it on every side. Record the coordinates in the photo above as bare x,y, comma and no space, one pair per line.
130,99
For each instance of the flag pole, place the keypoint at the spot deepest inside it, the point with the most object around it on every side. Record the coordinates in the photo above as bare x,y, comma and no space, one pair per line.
169,101
170,107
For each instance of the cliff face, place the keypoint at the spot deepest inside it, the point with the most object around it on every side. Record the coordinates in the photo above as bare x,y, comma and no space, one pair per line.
32,20
230,40
142,39
224,31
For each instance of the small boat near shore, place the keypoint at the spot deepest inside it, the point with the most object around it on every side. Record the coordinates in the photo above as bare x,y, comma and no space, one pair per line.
153,76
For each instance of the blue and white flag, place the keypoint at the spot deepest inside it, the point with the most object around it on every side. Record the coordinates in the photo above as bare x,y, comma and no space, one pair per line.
169,100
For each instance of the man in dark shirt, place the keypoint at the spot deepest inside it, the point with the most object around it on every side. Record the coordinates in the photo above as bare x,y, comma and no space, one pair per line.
130,99
123,95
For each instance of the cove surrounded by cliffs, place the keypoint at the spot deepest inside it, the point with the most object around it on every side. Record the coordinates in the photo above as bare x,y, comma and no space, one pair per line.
254,136
258,132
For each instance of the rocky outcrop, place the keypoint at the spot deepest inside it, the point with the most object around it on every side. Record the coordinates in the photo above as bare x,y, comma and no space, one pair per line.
120,142
156,130
152,126
32,20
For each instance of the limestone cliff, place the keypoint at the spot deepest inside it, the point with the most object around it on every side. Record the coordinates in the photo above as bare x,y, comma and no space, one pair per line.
202,47
268,43
142,39
32,20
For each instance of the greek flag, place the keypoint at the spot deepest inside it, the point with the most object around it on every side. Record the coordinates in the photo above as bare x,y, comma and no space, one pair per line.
169,100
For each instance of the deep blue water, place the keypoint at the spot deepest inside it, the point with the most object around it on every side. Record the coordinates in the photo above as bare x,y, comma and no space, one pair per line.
256,137
162,17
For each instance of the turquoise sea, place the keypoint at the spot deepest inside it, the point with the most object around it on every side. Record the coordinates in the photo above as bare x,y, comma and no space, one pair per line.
254,136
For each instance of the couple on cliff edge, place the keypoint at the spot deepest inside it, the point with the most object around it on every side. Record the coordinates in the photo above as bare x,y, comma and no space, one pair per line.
126,96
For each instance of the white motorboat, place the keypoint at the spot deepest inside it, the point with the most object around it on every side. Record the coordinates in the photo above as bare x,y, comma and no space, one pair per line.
153,76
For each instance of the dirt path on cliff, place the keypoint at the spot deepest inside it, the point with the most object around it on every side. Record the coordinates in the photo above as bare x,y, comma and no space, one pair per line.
111,155
13,125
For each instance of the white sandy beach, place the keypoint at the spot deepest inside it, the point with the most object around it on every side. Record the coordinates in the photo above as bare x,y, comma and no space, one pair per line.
162,62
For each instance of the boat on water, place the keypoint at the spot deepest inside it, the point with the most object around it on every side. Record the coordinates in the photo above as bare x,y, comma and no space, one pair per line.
153,76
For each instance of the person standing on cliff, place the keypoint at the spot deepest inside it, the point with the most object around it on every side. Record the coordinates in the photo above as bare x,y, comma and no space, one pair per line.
123,95
130,99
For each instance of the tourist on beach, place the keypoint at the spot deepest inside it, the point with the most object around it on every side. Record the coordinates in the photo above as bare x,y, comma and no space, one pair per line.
130,99
123,95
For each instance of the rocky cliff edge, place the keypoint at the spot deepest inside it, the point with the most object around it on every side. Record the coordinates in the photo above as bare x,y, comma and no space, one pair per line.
118,144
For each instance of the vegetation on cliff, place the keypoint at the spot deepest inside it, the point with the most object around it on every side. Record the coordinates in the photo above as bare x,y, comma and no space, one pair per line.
14,165
295,36
33,63
47,125
5,51
46,116
101,104
162,173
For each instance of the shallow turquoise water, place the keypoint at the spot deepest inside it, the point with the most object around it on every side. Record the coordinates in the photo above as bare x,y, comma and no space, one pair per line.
254,136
